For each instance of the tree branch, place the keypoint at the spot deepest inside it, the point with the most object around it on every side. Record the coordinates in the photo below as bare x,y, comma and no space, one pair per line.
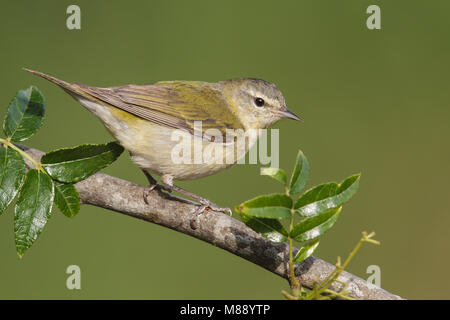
216,228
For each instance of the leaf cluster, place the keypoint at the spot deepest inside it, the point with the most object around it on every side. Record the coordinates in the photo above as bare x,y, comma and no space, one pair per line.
283,216
50,181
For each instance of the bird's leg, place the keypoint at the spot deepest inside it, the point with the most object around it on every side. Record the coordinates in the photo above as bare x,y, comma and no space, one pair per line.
169,187
204,203
152,185
152,181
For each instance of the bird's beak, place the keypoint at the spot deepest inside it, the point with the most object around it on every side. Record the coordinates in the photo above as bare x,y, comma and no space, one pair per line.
286,113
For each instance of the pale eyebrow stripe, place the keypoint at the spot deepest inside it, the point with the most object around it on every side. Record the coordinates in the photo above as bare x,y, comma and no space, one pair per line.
267,100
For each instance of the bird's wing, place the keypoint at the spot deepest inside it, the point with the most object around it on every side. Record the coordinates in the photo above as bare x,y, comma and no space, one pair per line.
176,104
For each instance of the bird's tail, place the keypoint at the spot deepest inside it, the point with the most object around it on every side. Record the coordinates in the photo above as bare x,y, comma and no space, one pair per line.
69,87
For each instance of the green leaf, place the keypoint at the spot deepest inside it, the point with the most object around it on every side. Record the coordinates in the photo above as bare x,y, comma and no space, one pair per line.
306,251
78,163
276,206
317,193
276,173
326,197
315,226
25,114
12,171
300,174
269,228
33,209
67,199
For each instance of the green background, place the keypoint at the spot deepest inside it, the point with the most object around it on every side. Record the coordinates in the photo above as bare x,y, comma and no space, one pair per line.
375,102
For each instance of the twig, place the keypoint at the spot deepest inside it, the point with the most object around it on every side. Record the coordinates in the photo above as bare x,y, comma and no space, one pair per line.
216,228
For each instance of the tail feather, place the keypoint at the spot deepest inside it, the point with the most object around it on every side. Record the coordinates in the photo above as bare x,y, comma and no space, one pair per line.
71,88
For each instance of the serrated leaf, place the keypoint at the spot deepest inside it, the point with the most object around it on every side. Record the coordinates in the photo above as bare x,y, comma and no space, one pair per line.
25,114
277,206
300,174
78,163
306,251
315,226
12,172
269,228
33,209
326,197
275,173
67,199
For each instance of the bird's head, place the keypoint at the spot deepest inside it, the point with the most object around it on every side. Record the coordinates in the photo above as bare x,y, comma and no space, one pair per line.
258,103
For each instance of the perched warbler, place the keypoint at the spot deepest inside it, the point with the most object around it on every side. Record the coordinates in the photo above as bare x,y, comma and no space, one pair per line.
143,119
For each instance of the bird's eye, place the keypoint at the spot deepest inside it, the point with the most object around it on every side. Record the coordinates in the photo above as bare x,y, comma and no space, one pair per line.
259,102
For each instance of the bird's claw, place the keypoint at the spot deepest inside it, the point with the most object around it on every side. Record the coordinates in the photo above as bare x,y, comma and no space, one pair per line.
206,204
152,187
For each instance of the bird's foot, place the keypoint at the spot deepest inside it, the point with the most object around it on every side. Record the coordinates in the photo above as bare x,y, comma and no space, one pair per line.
154,186
205,204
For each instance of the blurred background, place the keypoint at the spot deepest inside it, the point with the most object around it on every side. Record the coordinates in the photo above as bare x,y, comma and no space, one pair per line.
373,101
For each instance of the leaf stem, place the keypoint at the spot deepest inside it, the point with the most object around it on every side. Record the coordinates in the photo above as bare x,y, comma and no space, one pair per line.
7,143
288,296
342,294
333,276
295,285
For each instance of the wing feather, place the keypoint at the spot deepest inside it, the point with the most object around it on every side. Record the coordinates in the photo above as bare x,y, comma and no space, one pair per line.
176,104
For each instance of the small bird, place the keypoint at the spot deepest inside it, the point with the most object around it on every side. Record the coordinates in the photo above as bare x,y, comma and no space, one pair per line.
144,118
